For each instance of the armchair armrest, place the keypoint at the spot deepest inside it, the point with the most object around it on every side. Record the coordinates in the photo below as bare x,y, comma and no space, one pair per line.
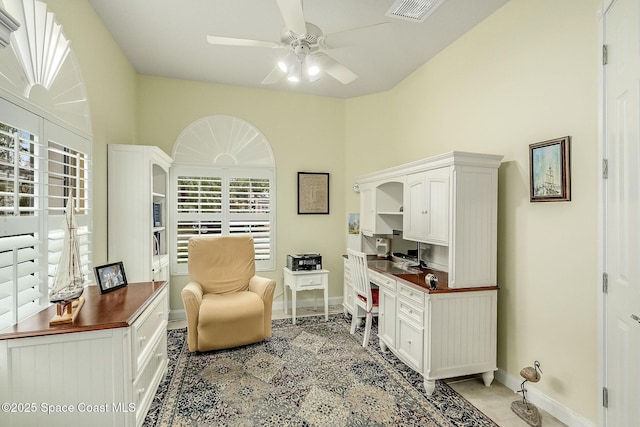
192,298
264,288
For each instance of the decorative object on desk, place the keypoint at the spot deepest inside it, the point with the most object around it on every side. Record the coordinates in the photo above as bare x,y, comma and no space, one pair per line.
68,285
313,193
525,410
383,247
257,385
432,280
550,169
111,277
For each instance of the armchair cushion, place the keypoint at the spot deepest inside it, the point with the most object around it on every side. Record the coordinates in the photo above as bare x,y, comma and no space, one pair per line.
221,264
230,320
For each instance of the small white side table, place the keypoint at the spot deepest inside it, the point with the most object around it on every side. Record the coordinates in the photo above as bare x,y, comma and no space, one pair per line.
305,281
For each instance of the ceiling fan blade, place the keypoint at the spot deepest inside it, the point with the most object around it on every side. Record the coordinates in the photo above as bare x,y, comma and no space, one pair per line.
273,77
291,11
231,41
335,69
356,36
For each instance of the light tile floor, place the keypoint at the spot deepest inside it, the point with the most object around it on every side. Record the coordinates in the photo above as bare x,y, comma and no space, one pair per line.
494,401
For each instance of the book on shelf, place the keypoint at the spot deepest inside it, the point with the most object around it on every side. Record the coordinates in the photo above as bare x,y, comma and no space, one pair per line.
157,215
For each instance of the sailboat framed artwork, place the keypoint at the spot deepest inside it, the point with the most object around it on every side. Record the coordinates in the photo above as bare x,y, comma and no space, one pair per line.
550,170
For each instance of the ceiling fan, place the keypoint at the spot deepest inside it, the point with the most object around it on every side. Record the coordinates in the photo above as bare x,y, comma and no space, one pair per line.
304,45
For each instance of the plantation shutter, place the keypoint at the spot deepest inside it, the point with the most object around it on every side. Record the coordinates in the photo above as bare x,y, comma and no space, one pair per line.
214,201
20,281
250,212
21,288
68,174
35,178
199,210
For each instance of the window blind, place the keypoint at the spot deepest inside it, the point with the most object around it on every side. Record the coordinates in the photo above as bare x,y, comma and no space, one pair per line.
20,278
223,202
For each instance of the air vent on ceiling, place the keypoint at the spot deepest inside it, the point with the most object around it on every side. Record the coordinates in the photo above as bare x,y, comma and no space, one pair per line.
413,10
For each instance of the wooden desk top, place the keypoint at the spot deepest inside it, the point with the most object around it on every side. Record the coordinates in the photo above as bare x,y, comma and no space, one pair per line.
116,309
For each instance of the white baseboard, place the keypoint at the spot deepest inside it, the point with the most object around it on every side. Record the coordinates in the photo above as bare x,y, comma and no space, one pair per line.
544,402
176,315
307,302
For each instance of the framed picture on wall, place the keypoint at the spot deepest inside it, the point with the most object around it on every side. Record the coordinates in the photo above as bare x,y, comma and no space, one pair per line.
550,170
313,193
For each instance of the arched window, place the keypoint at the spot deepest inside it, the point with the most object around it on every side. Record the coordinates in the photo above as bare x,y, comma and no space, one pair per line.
223,178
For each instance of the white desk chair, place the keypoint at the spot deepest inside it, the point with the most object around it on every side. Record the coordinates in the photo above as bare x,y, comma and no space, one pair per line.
365,298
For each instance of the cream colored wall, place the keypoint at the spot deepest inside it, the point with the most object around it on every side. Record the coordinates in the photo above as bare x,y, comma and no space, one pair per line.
306,133
526,74
110,81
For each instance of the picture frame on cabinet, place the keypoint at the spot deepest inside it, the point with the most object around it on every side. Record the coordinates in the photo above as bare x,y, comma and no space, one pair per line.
110,277
550,170
313,193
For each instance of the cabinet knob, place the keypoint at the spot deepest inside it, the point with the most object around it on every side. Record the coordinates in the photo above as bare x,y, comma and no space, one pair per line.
408,341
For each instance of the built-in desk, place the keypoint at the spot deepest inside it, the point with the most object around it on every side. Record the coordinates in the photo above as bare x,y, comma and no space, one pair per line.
440,333
102,370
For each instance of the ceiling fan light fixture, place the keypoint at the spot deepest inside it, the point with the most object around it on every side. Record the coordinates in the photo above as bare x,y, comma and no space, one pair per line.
295,72
287,62
311,66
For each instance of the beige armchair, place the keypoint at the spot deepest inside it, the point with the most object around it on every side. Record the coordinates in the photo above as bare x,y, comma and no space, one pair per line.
226,304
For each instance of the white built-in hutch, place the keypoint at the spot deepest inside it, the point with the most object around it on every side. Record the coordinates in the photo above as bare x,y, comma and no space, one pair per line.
138,181
448,203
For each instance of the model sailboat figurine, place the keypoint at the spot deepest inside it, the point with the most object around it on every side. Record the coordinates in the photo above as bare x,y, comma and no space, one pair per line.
69,281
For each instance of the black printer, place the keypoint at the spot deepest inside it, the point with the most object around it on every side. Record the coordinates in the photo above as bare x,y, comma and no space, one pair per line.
297,262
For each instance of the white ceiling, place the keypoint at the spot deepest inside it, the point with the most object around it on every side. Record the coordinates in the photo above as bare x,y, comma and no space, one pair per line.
168,38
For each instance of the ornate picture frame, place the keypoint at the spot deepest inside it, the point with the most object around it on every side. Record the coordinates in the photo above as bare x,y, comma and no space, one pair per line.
550,170
313,193
110,277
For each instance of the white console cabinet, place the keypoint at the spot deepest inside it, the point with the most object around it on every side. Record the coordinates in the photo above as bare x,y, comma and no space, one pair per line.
102,370
138,181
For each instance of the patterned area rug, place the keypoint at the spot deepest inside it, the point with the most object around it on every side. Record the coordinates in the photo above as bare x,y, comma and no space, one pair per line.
312,374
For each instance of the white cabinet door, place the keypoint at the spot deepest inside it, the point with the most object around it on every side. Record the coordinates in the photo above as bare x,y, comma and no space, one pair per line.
410,343
367,209
426,206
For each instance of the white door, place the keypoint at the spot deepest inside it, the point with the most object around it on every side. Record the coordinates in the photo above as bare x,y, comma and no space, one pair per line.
622,213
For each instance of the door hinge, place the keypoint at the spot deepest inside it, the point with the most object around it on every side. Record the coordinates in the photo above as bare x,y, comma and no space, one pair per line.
605,283
605,168
605,55
605,397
